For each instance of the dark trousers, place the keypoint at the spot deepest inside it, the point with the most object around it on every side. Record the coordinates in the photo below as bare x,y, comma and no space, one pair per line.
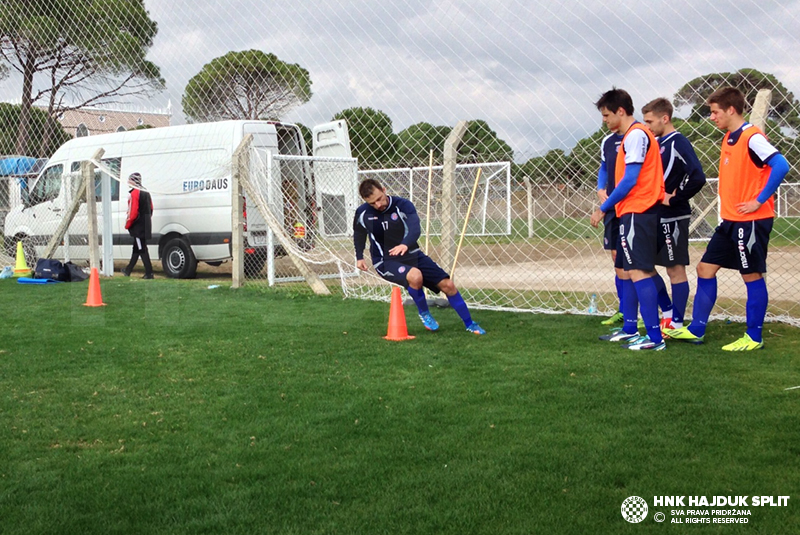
140,249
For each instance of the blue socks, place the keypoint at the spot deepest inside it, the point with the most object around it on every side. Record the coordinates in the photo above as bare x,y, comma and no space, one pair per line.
664,302
680,296
618,284
704,301
630,307
458,304
757,298
456,301
648,300
419,299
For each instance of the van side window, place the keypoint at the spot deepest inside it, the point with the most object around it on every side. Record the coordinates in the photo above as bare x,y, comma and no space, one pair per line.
114,165
48,185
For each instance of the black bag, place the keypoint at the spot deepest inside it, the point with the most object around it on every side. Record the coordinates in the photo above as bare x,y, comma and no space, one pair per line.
76,274
50,268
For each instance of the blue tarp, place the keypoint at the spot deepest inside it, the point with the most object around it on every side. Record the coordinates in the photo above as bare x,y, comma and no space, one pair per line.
19,165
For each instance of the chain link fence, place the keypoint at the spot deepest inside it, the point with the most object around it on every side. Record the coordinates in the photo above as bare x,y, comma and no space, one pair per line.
525,75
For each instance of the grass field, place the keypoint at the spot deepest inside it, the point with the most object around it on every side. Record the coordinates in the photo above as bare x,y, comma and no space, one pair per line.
180,409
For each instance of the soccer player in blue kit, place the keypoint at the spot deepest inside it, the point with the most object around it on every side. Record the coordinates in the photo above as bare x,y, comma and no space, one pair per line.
750,171
393,228
637,197
683,179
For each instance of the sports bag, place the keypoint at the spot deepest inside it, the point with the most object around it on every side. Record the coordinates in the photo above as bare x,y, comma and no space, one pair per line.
76,274
50,268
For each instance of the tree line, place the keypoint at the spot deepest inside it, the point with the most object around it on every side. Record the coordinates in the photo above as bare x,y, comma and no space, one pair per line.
580,165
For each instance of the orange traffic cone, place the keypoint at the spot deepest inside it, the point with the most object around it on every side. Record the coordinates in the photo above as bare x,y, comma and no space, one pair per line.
397,319
21,269
94,299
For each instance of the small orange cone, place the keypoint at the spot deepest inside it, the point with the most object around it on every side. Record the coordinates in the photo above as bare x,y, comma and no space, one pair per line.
397,319
21,269
94,299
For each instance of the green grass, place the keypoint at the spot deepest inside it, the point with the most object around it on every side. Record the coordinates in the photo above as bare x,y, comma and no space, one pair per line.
178,409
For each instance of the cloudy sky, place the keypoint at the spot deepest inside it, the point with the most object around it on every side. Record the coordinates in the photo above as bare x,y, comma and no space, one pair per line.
531,68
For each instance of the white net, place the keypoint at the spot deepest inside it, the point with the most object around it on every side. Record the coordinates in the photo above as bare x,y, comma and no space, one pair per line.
401,74
311,200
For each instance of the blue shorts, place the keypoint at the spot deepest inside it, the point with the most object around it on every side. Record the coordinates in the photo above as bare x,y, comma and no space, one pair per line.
638,236
673,242
396,270
740,245
611,231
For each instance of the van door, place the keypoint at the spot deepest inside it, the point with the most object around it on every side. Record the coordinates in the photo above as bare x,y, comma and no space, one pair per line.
335,183
265,143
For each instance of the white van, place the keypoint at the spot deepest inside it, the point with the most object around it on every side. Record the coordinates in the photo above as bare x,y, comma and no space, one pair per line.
187,169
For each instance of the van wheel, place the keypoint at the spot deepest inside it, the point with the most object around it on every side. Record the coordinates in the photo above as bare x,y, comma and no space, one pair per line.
177,260
254,263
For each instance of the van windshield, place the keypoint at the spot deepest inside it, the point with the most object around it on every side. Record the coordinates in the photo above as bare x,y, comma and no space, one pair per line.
48,185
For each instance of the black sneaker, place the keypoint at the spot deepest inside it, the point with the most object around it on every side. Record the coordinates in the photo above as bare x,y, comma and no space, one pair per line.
148,276
126,272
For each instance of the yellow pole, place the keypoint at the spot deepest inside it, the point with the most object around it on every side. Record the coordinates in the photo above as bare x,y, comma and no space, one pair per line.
428,210
466,220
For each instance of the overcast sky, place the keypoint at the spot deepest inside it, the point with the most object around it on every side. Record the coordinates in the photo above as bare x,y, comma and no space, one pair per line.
530,68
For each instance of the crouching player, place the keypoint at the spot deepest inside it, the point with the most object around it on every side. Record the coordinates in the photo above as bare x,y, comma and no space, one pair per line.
392,225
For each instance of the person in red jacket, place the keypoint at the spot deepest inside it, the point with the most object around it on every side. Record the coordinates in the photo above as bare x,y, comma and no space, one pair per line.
139,225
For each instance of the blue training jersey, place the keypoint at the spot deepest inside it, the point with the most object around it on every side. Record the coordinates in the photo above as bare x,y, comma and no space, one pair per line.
683,174
398,224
